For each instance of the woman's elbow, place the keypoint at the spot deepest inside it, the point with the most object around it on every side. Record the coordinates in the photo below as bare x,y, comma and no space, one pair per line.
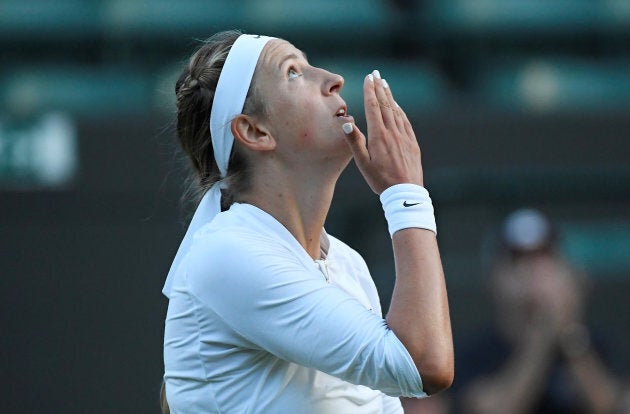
437,375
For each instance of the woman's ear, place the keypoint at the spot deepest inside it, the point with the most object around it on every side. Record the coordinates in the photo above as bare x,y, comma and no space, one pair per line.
252,134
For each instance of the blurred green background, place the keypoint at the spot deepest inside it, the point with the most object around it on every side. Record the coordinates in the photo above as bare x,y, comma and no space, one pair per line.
515,103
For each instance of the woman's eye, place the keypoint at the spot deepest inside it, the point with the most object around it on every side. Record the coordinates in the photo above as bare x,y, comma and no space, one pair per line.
293,74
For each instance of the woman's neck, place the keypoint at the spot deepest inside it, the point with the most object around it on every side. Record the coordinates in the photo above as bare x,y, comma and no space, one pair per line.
299,203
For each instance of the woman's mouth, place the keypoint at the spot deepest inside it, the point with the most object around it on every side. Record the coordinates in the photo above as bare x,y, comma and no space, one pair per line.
341,113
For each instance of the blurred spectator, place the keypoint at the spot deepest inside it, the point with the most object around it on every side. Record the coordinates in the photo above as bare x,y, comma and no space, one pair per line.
540,357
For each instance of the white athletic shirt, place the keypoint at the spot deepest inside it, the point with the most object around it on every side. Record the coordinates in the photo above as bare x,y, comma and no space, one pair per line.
255,325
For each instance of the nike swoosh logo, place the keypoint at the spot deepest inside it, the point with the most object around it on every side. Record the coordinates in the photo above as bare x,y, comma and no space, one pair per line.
406,204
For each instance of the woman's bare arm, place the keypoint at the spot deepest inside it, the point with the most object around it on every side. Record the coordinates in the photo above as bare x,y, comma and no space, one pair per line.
418,313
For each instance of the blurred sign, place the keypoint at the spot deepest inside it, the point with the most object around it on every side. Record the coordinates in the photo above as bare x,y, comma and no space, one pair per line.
40,152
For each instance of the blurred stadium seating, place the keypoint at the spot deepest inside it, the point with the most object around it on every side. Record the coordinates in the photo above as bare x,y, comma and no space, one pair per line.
502,47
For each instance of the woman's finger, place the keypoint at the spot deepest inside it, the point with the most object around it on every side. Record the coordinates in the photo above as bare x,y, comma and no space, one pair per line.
387,110
398,118
406,123
358,144
373,114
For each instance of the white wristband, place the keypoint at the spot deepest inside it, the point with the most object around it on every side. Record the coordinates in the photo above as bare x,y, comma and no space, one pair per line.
408,206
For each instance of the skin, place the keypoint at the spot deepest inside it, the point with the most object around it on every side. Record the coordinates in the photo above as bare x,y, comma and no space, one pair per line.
297,151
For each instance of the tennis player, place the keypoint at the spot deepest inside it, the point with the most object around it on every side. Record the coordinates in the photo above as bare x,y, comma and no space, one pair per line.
267,312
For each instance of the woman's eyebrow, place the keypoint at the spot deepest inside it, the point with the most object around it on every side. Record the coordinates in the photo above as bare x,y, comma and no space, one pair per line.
292,56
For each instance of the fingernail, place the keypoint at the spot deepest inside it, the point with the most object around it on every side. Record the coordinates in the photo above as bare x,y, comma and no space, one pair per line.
371,78
376,74
385,85
347,127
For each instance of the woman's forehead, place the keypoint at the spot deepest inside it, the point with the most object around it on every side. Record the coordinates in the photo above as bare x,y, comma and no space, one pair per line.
276,51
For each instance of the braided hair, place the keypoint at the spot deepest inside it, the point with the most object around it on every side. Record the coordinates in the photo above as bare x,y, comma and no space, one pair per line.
194,91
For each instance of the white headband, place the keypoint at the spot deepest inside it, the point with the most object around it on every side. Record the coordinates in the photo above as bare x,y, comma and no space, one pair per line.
229,98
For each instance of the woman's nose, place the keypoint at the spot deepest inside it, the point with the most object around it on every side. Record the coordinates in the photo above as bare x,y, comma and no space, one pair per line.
333,83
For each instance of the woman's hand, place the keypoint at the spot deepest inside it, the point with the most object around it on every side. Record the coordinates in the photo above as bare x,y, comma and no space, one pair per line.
392,155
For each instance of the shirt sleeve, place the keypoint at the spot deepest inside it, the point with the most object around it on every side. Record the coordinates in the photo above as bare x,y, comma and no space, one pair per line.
264,293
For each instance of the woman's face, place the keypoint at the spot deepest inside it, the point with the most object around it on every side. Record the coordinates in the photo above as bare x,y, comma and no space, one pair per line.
303,109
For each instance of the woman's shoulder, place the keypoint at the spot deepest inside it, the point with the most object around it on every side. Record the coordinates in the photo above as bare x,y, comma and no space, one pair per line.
221,241
222,256
241,237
